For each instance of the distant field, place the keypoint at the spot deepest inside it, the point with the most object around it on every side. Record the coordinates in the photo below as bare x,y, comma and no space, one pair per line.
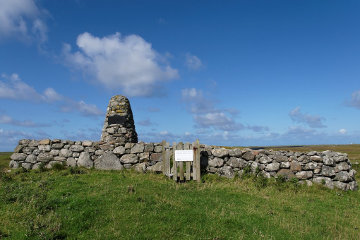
90,204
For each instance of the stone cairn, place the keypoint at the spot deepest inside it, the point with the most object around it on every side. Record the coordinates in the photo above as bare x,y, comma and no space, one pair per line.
119,124
119,149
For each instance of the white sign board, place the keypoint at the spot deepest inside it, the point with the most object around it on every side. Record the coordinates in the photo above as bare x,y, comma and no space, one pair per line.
184,155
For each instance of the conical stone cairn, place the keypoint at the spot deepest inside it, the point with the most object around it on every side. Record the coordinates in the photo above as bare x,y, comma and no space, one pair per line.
119,124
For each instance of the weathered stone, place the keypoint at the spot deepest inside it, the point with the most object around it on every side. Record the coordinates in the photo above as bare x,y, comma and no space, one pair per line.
29,150
76,148
59,159
226,171
328,171
99,152
316,158
45,148
31,158
71,162
304,174
65,153
237,162
44,142
312,153
155,157
129,158
254,166
265,159
84,159
220,152
119,150
36,166
26,165
33,143
343,176
295,166
45,157
18,149
24,142
248,155
340,185
285,165
272,166
286,173
280,158
57,146
108,161
149,147
14,164
144,157
340,158
54,152
216,162
137,148
87,143
156,168
321,180
52,163
303,159
76,154
310,166
328,161
141,167
18,156
236,152
342,166
158,149
353,186
352,173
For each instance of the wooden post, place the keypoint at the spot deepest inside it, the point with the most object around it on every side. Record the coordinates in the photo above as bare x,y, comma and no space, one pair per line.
165,159
196,165
188,164
174,163
181,167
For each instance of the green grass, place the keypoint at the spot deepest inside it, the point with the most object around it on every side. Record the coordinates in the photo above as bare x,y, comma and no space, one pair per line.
90,204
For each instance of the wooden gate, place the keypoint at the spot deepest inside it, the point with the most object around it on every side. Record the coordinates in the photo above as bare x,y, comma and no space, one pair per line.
176,169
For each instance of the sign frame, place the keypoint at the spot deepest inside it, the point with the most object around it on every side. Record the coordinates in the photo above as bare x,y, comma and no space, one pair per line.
184,155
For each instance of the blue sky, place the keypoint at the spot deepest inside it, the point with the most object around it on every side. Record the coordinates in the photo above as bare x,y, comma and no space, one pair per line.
236,73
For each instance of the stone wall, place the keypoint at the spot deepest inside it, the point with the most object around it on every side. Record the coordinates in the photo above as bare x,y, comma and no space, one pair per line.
330,168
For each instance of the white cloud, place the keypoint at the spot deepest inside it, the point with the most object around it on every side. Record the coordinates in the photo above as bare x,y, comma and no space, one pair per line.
12,87
312,121
22,19
355,100
5,119
193,62
128,63
342,131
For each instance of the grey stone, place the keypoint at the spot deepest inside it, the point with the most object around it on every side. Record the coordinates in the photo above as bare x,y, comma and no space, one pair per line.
138,148
285,165
26,165
18,148
328,161
57,146
71,162
226,171
295,166
52,163
18,156
129,158
312,153
33,143
343,176
304,159
156,168
31,158
65,153
216,162
149,147
340,158
272,166
141,167
59,159
254,166
352,173
304,174
158,149
280,158
76,148
99,152
14,164
237,162
76,154
36,166
87,143
286,173
45,148
328,171
248,155
340,185
84,160
44,142
220,152
316,158
45,157
119,150
235,152
310,166
265,159
54,152
353,186
343,166
155,157
144,157
108,161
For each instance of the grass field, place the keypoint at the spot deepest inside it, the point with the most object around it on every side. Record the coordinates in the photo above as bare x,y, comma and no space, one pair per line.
90,204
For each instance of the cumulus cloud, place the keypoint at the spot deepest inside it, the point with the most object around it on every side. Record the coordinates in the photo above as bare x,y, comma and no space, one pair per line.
5,119
121,62
342,131
355,100
312,121
193,62
22,19
12,87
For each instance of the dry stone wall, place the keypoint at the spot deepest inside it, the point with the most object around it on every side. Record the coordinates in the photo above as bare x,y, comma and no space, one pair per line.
329,168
